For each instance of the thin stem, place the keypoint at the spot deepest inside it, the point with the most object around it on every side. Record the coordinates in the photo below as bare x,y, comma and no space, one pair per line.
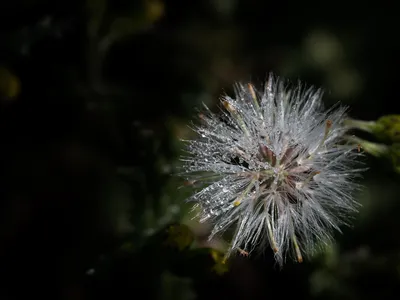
328,126
297,248
237,116
369,147
238,200
367,126
308,179
271,236
254,97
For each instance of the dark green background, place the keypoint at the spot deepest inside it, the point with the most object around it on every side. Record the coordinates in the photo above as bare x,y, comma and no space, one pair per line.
89,143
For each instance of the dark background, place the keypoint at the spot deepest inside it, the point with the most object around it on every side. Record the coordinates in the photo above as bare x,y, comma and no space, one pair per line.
95,96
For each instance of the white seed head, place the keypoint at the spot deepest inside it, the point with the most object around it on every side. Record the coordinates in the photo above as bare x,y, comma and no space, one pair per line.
275,164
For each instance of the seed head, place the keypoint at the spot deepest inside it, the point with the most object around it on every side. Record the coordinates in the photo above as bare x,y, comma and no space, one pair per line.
275,164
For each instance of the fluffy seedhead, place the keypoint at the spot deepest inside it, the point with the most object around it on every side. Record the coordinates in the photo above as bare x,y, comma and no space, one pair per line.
274,163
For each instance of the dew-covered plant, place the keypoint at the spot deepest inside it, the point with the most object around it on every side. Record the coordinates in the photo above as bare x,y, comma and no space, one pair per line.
277,165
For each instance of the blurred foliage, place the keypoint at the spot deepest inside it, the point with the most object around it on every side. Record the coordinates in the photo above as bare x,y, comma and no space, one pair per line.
387,130
9,84
94,98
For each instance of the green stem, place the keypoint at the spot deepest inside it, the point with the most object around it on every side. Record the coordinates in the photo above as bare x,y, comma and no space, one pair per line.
370,147
367,126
